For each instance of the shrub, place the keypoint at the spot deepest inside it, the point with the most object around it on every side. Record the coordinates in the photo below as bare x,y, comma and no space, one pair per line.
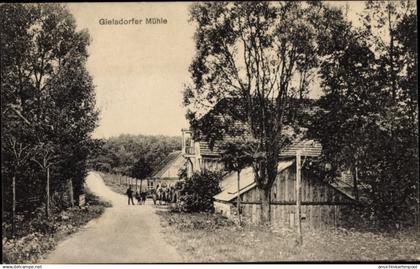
198,191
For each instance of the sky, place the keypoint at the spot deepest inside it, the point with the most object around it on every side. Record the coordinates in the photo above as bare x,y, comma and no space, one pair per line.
139,70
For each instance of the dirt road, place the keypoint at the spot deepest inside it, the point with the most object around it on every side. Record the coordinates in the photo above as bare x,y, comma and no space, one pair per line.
123,234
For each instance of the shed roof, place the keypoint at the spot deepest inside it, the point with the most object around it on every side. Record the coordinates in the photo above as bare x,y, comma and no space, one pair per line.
310,148
247,182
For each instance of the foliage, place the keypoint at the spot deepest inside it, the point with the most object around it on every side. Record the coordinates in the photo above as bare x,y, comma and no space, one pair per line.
141,169
120,154
369,113
198,191
236,155
37,236
48,100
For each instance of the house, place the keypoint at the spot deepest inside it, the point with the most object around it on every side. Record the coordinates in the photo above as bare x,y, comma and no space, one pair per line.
167,174
322,203
199,155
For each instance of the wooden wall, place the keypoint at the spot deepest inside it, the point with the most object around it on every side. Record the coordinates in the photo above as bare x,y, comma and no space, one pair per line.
321,203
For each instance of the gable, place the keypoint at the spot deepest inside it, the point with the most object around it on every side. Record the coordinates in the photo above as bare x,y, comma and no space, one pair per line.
171,165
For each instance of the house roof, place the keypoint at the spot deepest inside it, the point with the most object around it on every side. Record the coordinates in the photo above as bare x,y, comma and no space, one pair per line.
229,184
167,163
309,148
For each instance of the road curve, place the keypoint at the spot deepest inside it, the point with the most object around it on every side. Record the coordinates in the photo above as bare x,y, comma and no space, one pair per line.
123,234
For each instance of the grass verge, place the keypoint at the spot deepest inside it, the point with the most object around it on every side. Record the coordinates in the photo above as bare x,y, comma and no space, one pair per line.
212,238
38,236
112,181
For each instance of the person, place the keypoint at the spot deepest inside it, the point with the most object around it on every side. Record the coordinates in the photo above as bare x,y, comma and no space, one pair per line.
154,196
138,198
143,197
129,193
159,195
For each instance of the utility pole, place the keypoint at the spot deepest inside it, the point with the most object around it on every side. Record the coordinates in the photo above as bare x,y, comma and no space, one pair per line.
239,198
298,198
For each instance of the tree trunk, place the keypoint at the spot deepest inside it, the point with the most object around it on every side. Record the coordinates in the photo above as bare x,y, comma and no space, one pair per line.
239,198
265,205
47,209
14,205
141,183
71,194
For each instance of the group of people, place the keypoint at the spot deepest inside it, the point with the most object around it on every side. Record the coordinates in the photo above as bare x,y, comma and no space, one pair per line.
161,195
164,195
140,196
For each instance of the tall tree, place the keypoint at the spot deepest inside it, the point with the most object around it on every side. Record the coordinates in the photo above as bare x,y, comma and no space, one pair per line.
46,91
369,113
250,52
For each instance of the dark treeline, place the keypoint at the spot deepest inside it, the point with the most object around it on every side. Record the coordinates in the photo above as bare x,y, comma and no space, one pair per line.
47,105
120,154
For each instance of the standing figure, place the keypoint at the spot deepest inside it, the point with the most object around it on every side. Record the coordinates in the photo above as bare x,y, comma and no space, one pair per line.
154,196
143,197
129,193
138,197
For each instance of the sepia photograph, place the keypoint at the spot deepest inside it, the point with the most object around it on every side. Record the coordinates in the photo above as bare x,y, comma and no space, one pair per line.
278,132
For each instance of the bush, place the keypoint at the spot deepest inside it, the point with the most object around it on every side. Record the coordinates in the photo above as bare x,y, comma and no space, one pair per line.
198,191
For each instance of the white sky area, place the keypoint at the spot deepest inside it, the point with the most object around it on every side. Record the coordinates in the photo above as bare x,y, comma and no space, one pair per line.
139,70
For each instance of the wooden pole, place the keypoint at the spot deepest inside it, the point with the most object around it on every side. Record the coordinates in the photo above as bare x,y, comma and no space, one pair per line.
298,198
239,198
355,182
70,187
13,205
47,211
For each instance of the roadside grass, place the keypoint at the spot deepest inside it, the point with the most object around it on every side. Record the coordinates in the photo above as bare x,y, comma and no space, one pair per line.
112,181
202,237
38,236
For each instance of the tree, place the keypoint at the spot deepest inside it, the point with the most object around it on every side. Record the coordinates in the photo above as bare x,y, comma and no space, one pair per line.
368,112
118,154
236,155
141,170
47,94
250,52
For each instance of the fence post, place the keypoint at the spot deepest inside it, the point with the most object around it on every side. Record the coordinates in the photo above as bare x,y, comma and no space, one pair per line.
298,198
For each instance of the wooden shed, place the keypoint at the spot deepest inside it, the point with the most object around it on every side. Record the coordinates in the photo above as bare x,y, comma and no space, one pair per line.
321,203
